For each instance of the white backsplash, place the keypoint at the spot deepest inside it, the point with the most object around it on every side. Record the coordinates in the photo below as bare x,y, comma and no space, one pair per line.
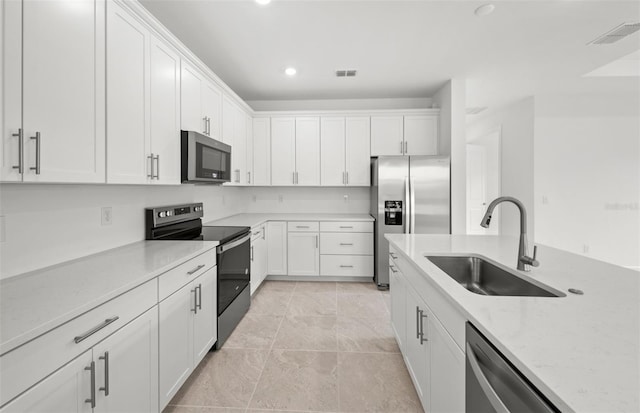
307,199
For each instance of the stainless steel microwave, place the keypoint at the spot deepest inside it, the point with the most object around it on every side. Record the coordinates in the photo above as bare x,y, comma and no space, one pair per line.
204,160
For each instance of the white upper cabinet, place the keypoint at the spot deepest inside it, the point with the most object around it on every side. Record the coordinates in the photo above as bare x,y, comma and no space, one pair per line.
165,113
261,151
358,153
283,151
249,142
228,121
234,133
308,151
332,151
421,135
201,103
61,136
387,136
128,155
345,154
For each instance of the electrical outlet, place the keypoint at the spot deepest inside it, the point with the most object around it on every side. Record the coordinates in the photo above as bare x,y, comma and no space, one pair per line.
107,216
585,248
346,198
545,200
254,198
280,198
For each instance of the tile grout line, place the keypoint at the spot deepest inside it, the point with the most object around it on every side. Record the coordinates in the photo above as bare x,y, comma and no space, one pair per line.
255,387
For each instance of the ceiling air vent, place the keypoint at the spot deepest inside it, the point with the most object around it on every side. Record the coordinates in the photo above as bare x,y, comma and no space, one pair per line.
346,73
617,33
475,110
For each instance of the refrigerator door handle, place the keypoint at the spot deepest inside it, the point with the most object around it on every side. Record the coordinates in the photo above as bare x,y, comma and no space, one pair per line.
407,206
412,202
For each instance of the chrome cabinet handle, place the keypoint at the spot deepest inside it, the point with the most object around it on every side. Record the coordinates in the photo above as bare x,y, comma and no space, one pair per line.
392,268
20,137
346,266
345,244
417,322
394,256
205,126
248,177
406,147
195,300
317,241
105,389
92,400
346,226
252,253
195,270
37,167
157,167
208,126
293,177
422,317
401,148
347,177
95,329
302,226
150,174
199,303
297,180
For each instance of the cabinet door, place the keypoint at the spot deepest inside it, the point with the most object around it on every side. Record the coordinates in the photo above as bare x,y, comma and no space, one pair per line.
64,90
261,151
249,149
398,293
128,154
192,118
447,370
303,253
212,108
228,123
332,152
205,320
65,391
176,341
387,135
165,112
127,365
421,135
417,352
255,277
308,151
277,248
239,151
283,151
261,254
358,154
11,89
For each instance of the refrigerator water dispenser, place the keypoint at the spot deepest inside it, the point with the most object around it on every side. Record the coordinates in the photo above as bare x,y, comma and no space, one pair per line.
393,212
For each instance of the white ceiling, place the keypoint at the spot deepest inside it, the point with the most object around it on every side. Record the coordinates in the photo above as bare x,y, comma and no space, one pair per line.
403,49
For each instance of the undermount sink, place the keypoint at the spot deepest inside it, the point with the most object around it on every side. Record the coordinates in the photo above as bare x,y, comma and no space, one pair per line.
482,277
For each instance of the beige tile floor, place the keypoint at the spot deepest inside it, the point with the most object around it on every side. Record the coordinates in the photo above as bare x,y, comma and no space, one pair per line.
305,347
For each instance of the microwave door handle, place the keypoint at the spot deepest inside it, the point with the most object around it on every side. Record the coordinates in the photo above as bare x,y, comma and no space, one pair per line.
482,380
233,244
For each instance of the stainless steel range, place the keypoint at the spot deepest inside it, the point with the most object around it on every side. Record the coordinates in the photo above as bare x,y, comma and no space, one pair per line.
184,222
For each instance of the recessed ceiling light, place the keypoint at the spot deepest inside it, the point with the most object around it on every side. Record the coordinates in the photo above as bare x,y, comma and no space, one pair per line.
263,2
485,10
290,71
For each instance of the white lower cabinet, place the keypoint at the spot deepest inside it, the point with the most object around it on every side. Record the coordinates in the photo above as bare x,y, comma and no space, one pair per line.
258,257
303,253
188,329
435,362
119,374
277,248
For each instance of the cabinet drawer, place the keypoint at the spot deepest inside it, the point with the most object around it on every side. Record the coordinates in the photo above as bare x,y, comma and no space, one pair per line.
356,226
346,243
28,364
303,226
172,280
346,265
257,232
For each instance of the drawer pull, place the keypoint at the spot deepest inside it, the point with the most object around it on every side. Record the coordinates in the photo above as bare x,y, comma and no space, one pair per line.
345,243
346,226
195,270
302,226
95,329
394,256
392,269
346,266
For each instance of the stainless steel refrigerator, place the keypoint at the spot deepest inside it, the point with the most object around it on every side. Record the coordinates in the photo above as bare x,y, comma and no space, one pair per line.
409,195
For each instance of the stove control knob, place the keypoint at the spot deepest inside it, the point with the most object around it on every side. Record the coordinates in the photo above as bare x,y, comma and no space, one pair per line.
162,214
169,213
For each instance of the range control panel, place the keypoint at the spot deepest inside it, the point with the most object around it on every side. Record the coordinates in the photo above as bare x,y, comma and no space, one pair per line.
176,213
393,212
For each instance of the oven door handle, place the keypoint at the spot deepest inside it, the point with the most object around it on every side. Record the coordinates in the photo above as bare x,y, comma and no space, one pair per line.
230,245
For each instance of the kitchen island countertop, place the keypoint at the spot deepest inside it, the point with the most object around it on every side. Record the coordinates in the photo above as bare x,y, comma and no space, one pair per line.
581,351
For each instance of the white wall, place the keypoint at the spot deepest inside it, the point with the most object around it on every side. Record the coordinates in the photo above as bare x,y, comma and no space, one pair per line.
451,99
516,122
48,224
341,104
587,175
301,200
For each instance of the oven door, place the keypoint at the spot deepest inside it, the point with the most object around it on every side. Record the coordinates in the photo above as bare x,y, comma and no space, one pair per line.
234,270
204,159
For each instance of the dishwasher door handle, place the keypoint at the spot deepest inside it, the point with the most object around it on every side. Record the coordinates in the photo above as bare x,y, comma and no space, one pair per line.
482,380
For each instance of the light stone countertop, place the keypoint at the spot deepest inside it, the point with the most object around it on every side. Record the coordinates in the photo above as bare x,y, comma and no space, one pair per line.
33,303
253,220
581,351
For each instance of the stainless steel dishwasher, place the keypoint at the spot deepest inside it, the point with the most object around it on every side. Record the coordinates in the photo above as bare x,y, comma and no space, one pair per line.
494,385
